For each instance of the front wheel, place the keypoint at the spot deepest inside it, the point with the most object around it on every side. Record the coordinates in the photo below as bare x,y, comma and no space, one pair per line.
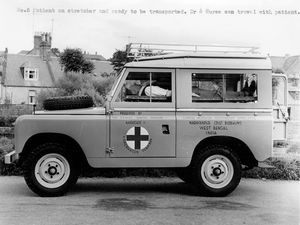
49,170
216,170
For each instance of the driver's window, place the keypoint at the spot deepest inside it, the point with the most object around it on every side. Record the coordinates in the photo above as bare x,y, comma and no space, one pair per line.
146,87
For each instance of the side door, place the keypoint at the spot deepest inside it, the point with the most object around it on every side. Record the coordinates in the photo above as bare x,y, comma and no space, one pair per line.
280,113
142,115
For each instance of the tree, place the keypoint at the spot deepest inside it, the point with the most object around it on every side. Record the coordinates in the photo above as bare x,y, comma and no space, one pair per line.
119,59
73,60
55,51
87,67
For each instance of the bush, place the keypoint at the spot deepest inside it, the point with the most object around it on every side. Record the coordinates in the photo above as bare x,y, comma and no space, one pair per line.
6,146
47,93
7,121
4,141
15,110
79,84
284,170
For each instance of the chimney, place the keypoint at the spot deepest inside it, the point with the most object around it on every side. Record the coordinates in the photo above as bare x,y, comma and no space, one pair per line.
45,46
37,41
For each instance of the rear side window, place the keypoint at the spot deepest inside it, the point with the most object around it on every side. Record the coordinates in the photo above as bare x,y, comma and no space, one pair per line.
224,87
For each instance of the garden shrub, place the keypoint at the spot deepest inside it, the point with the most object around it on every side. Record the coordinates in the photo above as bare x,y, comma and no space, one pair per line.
285,169
73,84
7,121
6,146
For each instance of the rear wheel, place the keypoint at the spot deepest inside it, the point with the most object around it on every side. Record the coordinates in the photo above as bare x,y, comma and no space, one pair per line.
216,170
50,170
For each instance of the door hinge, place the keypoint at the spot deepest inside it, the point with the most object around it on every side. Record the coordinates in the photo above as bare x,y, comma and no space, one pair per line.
109,151
110,111
283,113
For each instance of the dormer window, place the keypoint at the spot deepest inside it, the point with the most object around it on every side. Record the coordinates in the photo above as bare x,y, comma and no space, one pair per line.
31,74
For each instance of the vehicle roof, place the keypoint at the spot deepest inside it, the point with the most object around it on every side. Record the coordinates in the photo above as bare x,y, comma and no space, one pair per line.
205,60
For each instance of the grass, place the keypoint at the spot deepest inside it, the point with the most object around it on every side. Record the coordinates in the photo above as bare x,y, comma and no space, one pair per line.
284,169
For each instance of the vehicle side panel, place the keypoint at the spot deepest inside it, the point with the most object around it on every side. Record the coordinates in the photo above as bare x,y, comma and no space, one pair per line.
250,122
89,131
253,128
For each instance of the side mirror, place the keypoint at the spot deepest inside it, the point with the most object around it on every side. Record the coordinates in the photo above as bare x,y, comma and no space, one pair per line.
108,99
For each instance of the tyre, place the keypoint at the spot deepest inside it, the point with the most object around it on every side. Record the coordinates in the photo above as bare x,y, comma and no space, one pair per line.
185,174
68,102
216,170
50,170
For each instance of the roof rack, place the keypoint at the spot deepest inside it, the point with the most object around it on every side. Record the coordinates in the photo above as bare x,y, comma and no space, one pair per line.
139,50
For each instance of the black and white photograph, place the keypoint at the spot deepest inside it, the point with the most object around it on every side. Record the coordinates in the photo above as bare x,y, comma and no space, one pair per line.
149,112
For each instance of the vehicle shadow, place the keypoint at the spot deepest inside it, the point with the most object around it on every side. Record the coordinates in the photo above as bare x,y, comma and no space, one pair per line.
143,185
133,186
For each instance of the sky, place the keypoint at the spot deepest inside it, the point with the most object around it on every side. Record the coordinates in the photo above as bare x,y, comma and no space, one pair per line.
271,25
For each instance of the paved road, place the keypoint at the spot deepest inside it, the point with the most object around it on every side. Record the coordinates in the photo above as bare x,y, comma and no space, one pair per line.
150,201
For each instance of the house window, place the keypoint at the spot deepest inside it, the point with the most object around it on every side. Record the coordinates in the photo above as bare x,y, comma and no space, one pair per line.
224,87
30,74
32,97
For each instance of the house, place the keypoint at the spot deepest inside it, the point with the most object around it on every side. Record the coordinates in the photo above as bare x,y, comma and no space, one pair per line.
24,74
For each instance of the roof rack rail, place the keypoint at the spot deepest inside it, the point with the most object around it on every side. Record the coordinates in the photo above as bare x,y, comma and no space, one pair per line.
138,50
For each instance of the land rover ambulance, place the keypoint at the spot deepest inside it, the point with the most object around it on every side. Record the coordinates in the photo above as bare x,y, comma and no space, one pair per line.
206,114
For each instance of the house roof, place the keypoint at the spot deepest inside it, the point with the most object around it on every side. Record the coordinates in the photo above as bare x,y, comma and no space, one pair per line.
290,65
23,52
102,67
49,72
94,57
277,61
14,76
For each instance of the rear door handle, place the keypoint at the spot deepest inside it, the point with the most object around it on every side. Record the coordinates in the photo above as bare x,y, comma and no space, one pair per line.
165,129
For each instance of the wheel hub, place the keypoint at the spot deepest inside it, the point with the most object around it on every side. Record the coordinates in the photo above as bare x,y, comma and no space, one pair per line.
52,170
217,171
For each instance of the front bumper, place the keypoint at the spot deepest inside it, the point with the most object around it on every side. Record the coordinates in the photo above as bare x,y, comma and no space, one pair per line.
11,157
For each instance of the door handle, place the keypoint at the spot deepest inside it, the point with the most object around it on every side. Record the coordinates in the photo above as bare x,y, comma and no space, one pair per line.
165,129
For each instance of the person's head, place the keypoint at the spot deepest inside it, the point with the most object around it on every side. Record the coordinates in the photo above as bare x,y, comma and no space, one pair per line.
130,83
252,77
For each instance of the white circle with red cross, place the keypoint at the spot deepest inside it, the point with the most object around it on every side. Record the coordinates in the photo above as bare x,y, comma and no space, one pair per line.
137,138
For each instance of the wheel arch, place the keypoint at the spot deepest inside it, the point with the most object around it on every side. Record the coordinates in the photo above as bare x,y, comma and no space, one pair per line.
41,138
238,146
